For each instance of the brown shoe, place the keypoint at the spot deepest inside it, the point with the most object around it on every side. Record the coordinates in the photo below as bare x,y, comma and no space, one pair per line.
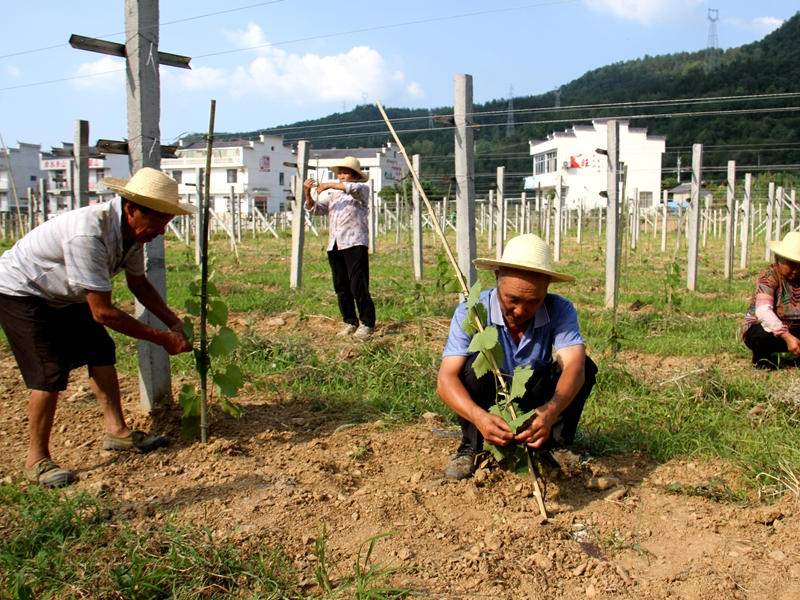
48,474
462,465
137,441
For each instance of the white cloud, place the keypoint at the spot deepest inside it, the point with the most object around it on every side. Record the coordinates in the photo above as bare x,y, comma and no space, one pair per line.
304,79
107,74
644,11
765,25
13,71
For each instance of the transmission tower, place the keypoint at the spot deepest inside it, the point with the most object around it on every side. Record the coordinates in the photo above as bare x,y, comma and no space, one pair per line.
430,119
558,98
712,54
510,121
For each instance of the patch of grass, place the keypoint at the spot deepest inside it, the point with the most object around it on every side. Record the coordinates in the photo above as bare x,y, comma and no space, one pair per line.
58,543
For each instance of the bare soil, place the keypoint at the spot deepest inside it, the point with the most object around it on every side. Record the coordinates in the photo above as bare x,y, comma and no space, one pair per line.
274,477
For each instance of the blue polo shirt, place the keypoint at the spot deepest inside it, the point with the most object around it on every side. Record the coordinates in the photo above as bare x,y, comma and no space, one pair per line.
554,326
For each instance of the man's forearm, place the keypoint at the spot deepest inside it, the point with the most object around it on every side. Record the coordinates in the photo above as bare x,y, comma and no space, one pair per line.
149,297
125,324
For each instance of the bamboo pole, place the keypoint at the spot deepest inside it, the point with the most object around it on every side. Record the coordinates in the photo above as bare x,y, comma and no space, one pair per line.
204,280
465,292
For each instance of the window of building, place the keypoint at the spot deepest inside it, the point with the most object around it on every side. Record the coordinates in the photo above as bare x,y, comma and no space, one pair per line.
281,180
178,176
645,199
99,174
550,159
231,175
538,162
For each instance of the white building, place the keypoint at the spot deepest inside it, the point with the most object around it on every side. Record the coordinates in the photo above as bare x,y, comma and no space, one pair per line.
572,155
384,164
25,173
59,168
253,170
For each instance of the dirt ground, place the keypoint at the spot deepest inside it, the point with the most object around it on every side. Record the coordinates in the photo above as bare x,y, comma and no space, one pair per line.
273,478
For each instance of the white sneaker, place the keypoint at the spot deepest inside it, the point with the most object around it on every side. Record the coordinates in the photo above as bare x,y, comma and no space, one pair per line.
363,332
348,330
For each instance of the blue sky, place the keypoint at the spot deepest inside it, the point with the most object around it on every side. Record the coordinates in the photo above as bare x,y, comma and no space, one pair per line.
315,57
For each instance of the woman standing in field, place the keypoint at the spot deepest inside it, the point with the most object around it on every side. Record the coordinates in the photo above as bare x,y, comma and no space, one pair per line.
772,323
347,207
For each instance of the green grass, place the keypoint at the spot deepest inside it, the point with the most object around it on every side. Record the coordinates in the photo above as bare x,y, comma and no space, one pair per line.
56,543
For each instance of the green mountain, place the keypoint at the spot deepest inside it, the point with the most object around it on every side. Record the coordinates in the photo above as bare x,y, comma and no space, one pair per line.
768,137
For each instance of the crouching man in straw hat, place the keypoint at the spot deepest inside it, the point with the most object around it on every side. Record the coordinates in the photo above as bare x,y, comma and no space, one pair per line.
348,240
772,323
55,299
532,326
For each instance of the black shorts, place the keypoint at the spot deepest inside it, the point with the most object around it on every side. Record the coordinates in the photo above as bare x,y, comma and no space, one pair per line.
49,342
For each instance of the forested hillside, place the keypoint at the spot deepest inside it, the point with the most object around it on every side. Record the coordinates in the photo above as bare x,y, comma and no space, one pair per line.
752,131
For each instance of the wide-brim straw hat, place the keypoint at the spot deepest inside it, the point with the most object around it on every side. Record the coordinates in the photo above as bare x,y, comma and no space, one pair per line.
352,163
789,248
152,189
526,252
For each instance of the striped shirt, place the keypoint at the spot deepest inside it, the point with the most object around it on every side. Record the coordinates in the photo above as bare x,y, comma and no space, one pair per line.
66,256
348,215
786,298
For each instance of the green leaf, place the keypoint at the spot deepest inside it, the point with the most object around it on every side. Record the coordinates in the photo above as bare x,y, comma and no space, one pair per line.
515,424
201,365
482,314
232,408
223,343
190,428
188,329
194,288
452,285
469,325
481,366
521,376
211,289
483,341
217,313
496,451
192,307
230,381
474,294
189,400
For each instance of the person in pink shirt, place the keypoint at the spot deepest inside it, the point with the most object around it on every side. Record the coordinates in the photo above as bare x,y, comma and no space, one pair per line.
347,208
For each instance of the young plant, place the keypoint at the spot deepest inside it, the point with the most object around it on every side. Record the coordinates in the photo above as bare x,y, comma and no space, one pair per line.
227,376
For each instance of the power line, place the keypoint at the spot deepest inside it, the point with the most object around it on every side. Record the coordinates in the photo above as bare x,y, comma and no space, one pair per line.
107,35
382,27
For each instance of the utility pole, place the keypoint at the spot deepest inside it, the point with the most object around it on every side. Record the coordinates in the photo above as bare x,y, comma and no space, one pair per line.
80,152
299,217
612,217
729,220
417,224
694,217
557,224
747,206
501,213
466,244
770,218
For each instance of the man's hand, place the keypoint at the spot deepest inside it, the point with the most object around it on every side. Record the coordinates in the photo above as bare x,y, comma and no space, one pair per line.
538,431
494,429
792,343
175,343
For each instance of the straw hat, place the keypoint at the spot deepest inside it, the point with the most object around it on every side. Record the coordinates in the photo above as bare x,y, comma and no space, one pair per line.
152,189
789,248
528,253
352,163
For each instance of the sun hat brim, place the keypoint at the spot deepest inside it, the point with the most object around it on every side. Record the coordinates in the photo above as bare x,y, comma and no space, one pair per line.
362,177
118,185
783,250
485,263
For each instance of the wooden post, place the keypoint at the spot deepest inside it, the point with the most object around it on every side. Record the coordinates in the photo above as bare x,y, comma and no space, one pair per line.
779,213
729,219
525,215
417,225
665,216
580,219
501,213
44,199
492,225
635,219
299,217
612,217
80,151
746,205
558,225
466,243
371,219
694,218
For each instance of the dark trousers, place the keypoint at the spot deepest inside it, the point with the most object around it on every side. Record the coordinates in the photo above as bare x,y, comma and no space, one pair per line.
764,344
539,390
350,269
